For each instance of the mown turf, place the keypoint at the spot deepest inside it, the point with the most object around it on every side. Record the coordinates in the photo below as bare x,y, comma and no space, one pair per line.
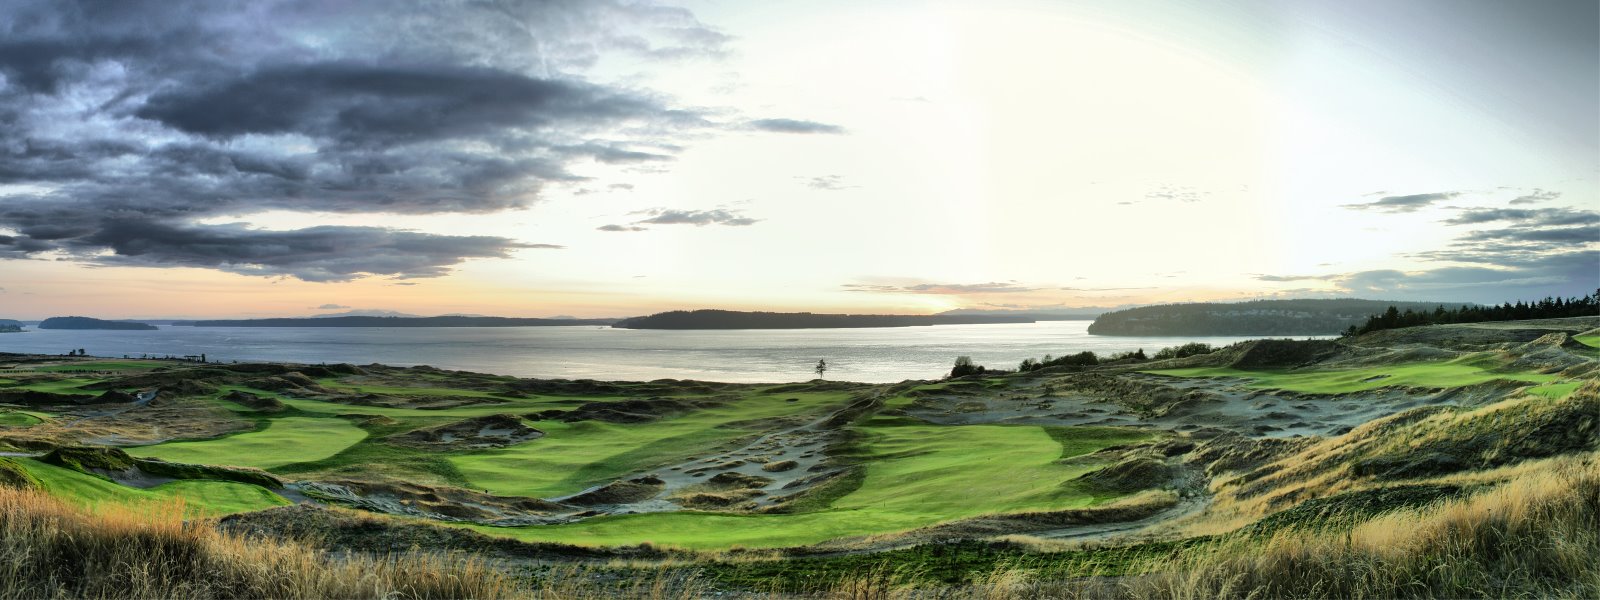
14,418
200,498
916,475
1449,374
1589,340
1555,391
574,456
103,365
285,441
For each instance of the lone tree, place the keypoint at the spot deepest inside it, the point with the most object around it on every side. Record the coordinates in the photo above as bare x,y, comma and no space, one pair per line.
822,367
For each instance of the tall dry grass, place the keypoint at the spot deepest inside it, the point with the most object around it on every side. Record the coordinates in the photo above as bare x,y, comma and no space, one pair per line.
51,550
1537,536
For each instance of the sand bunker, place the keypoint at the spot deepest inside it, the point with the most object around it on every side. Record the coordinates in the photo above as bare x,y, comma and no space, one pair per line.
493,431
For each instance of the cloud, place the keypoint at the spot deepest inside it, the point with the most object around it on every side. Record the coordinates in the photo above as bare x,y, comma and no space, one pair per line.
831,183
1403,204
1538,195
322,254
622,228
1176,193
1527,253
128,120
793,126
1526,217
955,289
698,218
330,307
1104,289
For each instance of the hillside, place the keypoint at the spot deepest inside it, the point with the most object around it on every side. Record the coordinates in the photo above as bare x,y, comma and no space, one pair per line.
372,321
728,319
1257,317
1458,459
92,323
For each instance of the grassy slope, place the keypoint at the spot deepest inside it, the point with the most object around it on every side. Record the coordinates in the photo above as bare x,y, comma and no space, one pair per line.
104,365
1589,340
916,475
17,418
575,456
1455,373
285,441
200,498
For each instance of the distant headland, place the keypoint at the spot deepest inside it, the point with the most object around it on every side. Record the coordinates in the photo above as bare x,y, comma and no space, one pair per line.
368,321
92,323
730,319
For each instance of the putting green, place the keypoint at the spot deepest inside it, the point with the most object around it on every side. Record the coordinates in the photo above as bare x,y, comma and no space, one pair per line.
17,418
917,475
1589,340
574,456
285,441
200,498
1456,373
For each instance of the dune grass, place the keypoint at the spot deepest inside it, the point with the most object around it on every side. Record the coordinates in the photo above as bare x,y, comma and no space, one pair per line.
1446,374
285,441
52,549
574,456
199,498
916,475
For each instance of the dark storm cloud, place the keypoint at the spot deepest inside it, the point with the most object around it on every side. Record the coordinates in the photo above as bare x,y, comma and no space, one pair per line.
1409,203
324,253
793,126
698,218
127,124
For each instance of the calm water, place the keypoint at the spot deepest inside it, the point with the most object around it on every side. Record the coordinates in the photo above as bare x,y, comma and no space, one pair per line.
872,355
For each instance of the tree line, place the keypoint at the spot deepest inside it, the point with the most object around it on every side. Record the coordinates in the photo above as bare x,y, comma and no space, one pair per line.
964,365
1549,308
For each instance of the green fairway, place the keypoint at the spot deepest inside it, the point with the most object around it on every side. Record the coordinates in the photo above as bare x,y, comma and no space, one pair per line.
17,418
575,456
918,475
1555,391
1589,340
1455,373
285,441
104,365
200,498
62,386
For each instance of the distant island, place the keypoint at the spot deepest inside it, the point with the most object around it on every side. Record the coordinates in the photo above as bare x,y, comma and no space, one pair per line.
92,323
10,326
1064,314
364,321
1256,317
731,319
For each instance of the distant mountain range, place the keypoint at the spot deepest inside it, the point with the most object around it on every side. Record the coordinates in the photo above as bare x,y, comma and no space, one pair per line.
729,319
1051,314
370,321
1257,317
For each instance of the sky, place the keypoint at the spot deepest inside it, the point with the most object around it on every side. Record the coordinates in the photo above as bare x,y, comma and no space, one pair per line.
614,158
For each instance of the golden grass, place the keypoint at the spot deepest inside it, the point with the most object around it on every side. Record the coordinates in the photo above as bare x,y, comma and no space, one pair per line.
1537,536
49,549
